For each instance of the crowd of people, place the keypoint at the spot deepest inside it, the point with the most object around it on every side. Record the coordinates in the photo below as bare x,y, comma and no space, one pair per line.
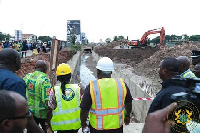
23,46
65,107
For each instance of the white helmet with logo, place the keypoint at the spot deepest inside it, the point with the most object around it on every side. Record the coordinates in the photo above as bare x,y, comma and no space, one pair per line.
105,64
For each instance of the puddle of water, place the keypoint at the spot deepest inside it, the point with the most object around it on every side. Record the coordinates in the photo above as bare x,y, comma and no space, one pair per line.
85,74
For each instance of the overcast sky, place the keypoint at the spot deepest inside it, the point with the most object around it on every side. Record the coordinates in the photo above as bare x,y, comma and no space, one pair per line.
100,19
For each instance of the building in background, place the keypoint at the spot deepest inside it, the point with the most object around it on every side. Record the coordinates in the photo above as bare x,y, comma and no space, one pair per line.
29,37
18,35
73,29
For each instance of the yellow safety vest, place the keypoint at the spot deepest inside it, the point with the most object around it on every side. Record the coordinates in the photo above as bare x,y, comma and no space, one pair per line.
189,74
66,116
108,98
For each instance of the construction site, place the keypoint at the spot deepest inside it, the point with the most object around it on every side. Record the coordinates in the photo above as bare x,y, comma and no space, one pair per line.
138,67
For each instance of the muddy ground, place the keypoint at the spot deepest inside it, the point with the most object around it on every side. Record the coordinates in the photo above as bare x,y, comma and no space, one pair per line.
145,62
28,63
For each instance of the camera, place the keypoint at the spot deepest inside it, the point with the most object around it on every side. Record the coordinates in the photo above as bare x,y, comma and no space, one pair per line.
190,93
186,115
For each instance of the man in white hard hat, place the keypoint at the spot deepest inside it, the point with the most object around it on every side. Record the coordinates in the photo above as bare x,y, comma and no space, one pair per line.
106,100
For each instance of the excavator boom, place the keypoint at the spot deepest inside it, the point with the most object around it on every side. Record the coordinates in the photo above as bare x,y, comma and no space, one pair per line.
143,40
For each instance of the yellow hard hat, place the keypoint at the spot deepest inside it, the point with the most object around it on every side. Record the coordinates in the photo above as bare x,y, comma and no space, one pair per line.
63,69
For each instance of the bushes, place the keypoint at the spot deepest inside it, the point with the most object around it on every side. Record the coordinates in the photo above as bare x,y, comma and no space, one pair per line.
76,47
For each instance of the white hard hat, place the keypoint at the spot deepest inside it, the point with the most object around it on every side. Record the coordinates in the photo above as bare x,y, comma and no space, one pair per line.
105,64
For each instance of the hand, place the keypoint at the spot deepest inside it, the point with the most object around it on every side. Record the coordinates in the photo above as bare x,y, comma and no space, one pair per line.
78,78
156,122
49,130
85,129
127,120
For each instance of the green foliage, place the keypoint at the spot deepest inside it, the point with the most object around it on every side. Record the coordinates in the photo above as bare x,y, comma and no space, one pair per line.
108,40
194,38
76,47
156,40
177,39
44,38
117,38
4,36
73,39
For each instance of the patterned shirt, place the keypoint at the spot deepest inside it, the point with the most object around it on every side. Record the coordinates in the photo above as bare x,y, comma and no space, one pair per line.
38,88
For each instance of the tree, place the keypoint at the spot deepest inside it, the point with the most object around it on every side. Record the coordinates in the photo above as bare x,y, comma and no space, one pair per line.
73,39
44,38
108,40
4,36
115,38
156,40
194,38
120,37
168,38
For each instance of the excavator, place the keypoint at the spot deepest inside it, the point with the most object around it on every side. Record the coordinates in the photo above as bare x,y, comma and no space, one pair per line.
143,42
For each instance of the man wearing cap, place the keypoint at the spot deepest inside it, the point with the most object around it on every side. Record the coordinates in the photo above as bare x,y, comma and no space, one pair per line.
38,87
105,100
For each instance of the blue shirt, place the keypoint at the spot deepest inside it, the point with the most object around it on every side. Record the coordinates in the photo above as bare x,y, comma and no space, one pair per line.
10,81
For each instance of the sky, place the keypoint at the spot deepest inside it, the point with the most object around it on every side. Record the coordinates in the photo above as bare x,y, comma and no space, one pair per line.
100,19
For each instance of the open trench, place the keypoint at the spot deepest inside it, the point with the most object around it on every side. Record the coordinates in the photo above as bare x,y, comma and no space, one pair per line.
86,69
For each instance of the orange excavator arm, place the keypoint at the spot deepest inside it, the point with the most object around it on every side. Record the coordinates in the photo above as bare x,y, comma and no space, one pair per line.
154,31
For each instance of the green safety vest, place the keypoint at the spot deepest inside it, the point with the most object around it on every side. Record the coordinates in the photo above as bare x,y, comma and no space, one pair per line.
189,74
38,87
108,98
66,116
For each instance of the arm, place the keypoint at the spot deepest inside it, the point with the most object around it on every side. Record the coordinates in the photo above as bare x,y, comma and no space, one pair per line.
32,126
128,106
46,97
157,122
84,115
85,107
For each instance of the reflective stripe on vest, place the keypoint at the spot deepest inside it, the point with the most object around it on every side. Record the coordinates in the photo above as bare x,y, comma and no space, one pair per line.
189,74
100,112
59,104
65,122
107,111
66,116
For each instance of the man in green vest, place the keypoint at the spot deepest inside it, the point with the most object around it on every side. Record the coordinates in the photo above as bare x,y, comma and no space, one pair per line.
185,71
38,87
65,102
105,100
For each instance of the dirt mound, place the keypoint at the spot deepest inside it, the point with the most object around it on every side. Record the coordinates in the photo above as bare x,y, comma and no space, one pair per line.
28,63
126,56
149,67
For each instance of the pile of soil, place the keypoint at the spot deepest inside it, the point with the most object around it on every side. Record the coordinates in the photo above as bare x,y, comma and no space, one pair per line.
126,56
149,67
28,63
145,62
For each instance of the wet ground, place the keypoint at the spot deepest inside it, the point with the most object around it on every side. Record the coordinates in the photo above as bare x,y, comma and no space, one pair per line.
87,68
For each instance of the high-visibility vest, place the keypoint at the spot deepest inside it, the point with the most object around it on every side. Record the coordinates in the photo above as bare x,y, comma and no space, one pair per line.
108,98
189,74
66,116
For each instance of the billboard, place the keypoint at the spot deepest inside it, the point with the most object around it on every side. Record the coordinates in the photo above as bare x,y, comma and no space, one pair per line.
73,28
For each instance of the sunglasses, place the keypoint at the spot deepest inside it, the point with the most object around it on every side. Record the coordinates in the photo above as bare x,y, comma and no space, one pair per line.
28,114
